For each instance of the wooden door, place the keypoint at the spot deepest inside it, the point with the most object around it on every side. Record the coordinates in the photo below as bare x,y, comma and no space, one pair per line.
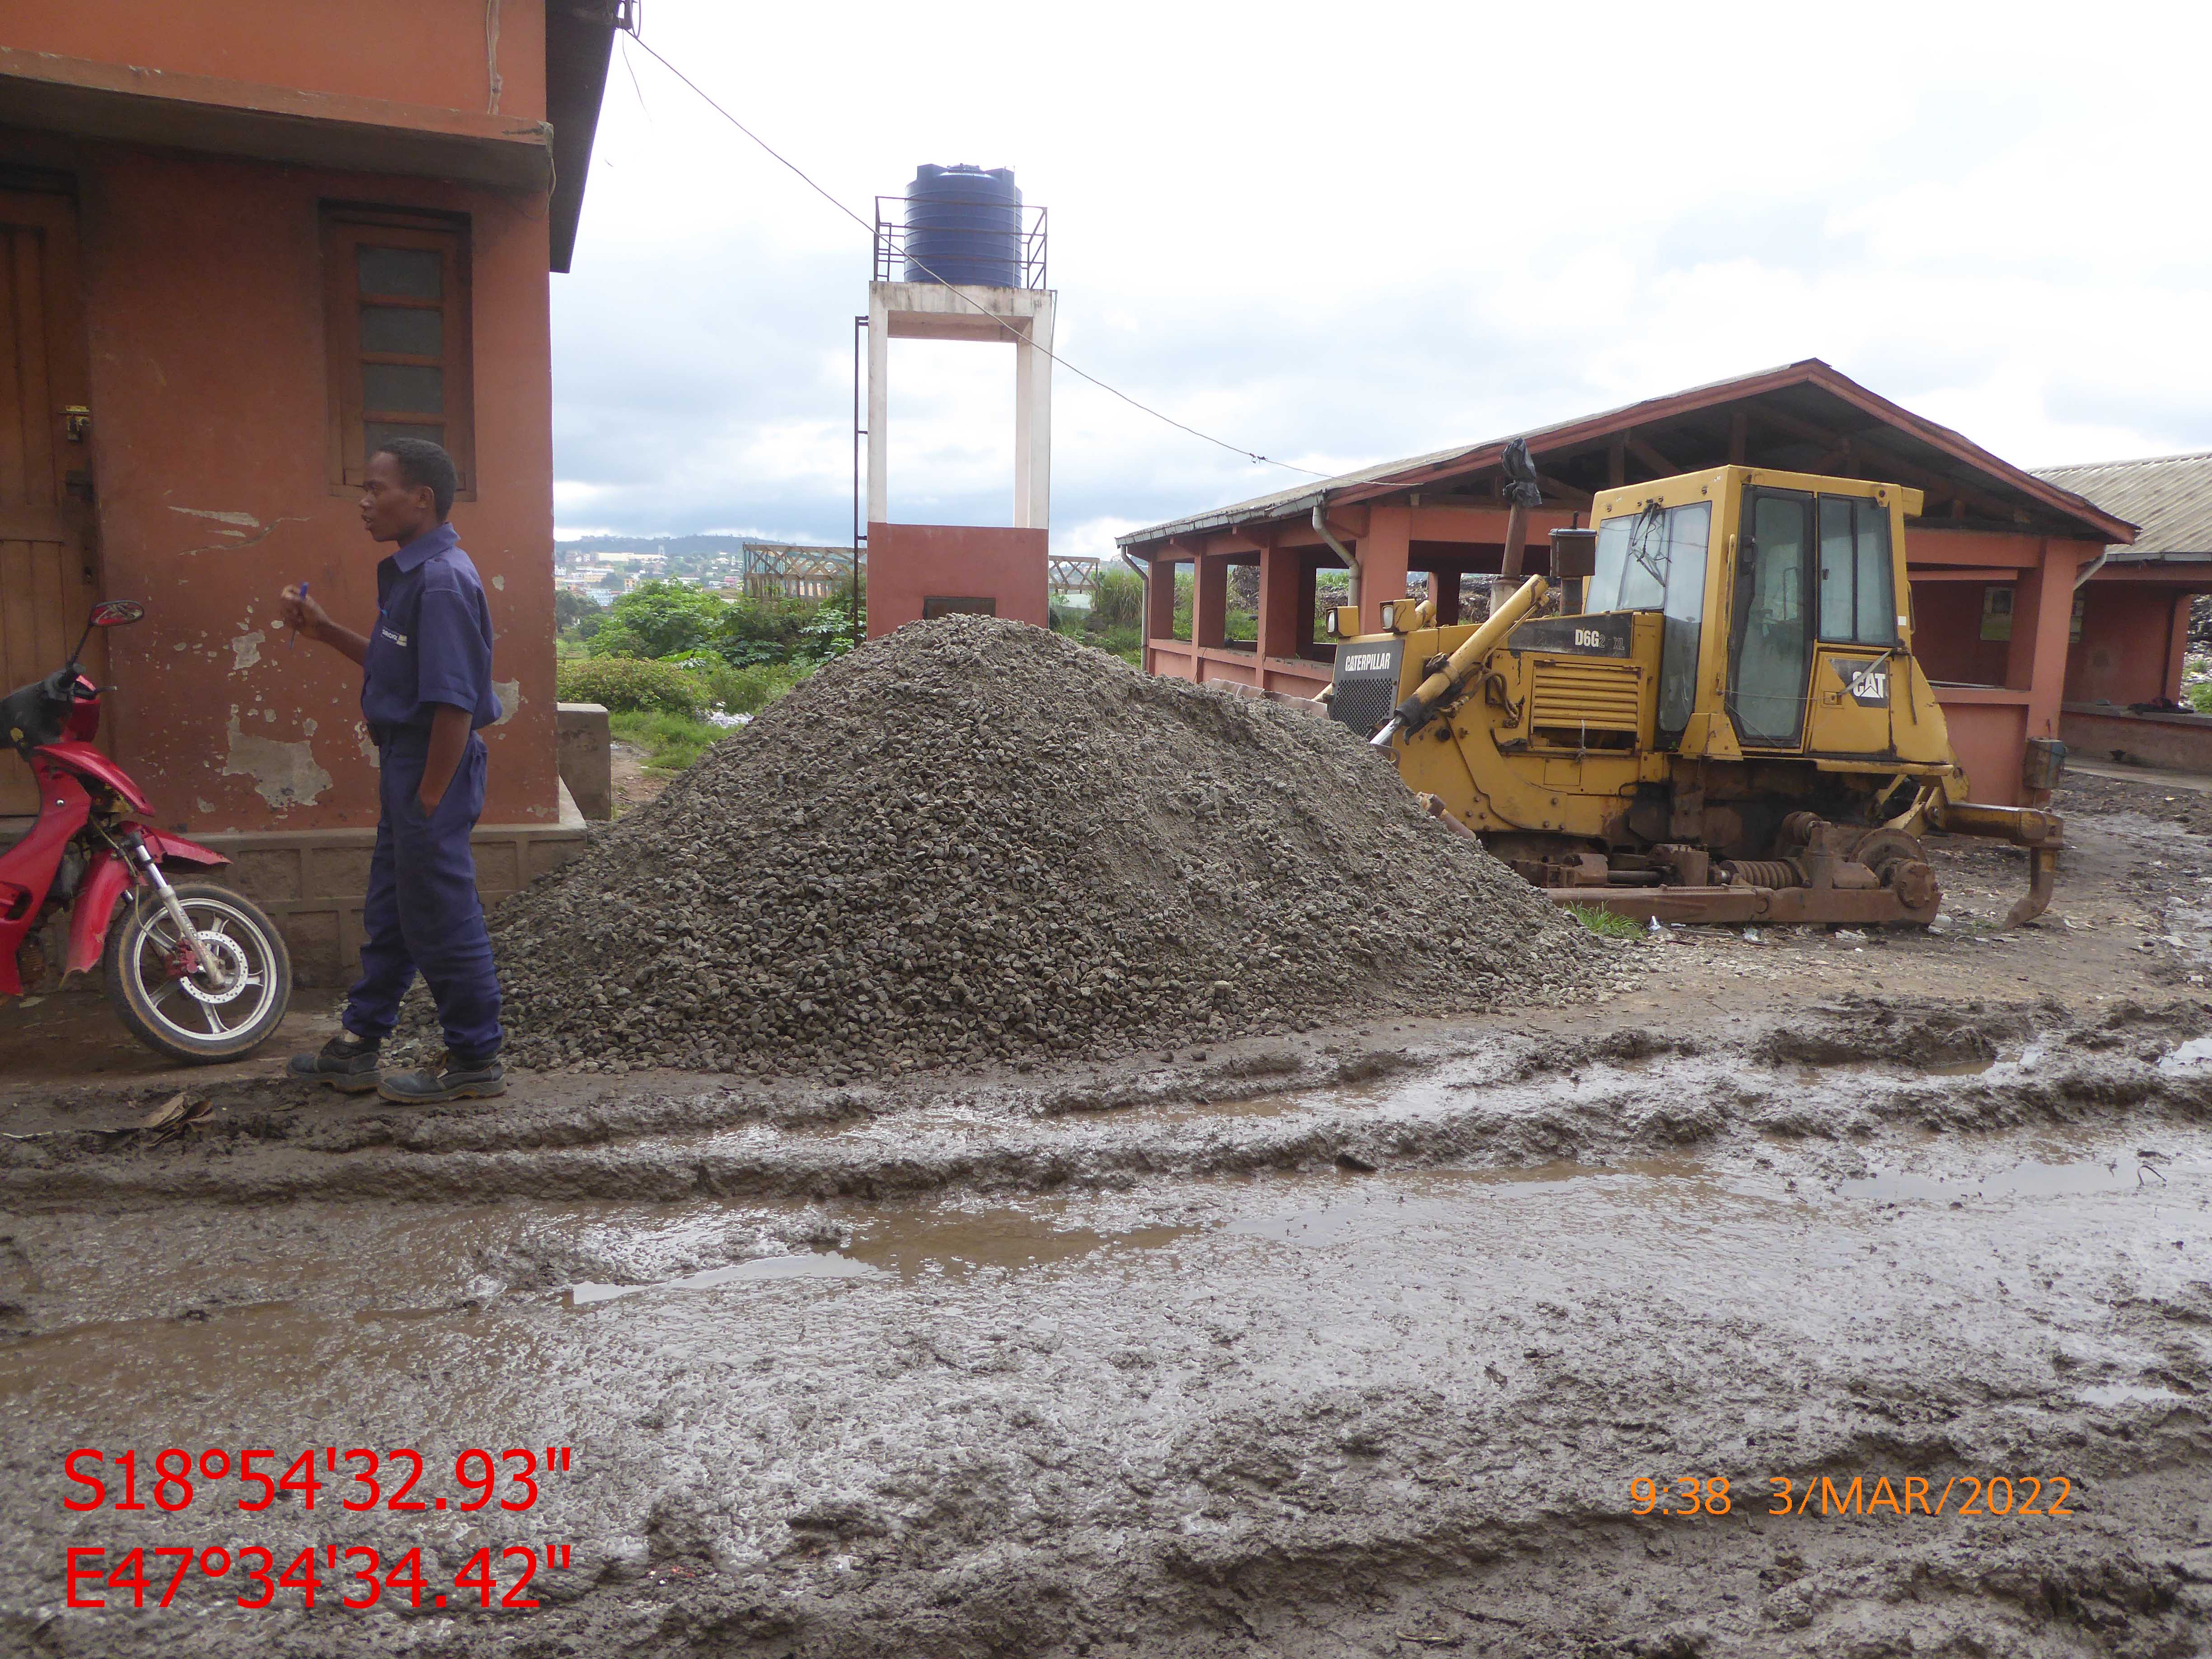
47,579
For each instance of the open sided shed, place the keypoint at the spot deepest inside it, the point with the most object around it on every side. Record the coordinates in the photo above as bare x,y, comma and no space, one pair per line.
1986,523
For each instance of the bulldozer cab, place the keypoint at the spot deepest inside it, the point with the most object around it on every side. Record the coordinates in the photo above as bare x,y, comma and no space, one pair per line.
1778,603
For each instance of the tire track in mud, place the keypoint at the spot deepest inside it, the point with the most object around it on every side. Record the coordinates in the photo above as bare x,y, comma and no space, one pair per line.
1501,1101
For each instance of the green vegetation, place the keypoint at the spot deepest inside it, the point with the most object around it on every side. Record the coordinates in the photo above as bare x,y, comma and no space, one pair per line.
670,742
749,690
1604,923
627,685
683,690
663,620
1115,621
665,656
2196,683
1331,588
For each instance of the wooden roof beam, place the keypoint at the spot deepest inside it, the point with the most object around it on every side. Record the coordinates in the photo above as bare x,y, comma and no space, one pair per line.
1642,448
1924,478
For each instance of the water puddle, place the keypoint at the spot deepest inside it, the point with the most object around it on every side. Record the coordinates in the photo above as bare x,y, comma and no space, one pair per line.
1256,1106
2128,1393
1433,1195
273,1351
2118,1173
1966,1065
2191,1054
949,1244
824,1264
956,1244
1970,1067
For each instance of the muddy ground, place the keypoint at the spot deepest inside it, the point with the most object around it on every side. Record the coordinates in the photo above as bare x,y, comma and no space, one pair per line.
1346,1343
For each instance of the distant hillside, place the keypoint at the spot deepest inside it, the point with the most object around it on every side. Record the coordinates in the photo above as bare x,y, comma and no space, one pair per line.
672,545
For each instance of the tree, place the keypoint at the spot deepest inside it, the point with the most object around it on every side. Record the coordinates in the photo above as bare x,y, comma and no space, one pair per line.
573,609
661,619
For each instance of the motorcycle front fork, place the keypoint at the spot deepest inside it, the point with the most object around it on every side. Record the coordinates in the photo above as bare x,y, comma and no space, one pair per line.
149,873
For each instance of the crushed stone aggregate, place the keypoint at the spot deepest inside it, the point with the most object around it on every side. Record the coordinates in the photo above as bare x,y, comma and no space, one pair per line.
974,840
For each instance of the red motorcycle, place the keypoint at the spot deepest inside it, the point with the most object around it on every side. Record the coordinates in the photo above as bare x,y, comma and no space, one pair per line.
196,971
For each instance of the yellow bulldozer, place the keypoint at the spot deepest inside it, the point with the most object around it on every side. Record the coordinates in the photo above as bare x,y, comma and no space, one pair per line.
1709,713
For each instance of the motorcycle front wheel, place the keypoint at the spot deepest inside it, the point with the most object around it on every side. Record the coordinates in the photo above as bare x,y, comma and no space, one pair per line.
197,1016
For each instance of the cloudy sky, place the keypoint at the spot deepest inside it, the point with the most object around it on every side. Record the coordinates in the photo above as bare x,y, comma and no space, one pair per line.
1336,235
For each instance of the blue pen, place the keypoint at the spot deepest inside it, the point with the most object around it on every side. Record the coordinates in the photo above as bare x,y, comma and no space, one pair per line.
293,644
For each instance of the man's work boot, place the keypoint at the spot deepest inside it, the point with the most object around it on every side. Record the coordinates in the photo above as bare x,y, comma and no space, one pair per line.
455,1077
346,1062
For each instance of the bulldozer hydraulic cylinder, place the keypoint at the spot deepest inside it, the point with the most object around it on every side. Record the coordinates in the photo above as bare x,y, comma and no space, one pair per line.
2023,826
2041,833
1422,702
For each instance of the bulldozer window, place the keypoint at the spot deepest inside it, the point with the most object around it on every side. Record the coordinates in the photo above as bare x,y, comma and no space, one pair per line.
1855,573
1655,560
1769,639
1689,529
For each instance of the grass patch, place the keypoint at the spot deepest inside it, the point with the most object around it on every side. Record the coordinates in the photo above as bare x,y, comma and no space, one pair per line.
670,742
1605,923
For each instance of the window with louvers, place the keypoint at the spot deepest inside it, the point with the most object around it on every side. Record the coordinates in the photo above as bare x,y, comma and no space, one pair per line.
396,290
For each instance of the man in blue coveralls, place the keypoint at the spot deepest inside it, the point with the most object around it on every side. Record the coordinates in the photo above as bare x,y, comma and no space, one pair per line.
425,693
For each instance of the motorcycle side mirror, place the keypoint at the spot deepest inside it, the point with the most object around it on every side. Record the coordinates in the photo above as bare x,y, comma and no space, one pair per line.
117,613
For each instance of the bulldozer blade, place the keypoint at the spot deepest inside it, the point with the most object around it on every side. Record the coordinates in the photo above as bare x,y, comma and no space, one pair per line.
1861,907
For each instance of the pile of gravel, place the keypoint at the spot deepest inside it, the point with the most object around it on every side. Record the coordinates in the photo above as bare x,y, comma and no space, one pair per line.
974,838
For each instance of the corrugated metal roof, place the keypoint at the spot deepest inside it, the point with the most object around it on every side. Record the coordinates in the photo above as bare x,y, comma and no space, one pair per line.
2169,497
1937,443
1304,497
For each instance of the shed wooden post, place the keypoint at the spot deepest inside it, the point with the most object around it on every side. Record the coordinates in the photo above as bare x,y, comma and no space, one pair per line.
1444,593
1159,604
1209,601
1384,552
1280,570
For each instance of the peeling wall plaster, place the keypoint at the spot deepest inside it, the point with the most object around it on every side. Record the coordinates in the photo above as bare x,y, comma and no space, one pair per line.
284,774
510,699
245,650
238,537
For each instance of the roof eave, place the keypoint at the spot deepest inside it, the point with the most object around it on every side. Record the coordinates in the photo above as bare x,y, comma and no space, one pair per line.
579,44
1543,440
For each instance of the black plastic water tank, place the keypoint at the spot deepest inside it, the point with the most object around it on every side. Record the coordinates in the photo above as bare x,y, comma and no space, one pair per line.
964,225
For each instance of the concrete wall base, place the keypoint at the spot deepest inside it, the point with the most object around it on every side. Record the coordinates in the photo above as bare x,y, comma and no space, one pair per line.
310,882
585,753
2182,743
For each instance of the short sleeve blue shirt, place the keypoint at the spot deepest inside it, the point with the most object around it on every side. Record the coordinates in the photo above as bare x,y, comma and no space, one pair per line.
431,641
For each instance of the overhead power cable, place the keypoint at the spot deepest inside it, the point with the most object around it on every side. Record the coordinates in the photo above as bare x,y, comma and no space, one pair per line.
1158,415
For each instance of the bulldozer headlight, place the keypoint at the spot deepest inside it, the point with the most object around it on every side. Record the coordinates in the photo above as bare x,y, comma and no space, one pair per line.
1329,622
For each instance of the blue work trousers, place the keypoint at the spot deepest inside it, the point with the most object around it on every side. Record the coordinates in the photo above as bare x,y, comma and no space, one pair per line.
422,912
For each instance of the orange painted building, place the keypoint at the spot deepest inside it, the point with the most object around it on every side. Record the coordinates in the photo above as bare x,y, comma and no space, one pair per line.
2123,673
2000,673
243,243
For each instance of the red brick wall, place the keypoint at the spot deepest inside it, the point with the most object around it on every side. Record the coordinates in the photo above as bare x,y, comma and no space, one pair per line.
909,563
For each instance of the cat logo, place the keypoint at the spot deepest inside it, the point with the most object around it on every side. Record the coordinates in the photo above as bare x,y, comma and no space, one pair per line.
1367,662
1868,683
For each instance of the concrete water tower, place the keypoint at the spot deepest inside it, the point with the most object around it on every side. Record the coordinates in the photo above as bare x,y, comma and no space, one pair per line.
959,258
